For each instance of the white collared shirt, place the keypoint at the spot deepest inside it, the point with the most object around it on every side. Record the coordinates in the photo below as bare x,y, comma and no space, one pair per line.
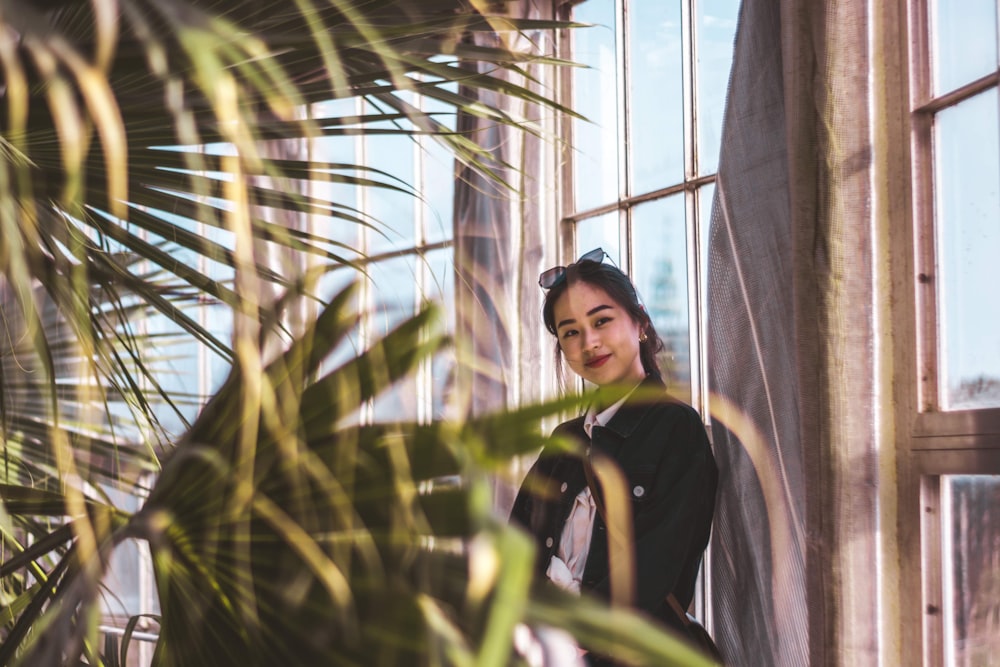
567,565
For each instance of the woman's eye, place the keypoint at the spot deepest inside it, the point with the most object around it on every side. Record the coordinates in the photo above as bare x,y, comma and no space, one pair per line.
568,333
602,321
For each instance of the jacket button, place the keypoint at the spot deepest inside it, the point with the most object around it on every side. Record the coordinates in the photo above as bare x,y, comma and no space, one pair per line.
638,492
564,487
548,542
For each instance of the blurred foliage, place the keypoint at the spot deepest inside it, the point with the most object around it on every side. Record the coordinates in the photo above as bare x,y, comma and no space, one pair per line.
283,528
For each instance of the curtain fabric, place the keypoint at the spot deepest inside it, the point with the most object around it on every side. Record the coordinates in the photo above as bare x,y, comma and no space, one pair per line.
500,242
790,343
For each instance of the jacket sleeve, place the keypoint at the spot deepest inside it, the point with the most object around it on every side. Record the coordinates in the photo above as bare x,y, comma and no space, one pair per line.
673,515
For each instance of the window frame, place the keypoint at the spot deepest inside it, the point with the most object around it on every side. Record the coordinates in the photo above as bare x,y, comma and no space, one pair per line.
691,187
418,248
205,381
930,442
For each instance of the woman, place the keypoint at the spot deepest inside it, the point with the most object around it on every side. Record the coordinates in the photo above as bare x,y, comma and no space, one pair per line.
605,336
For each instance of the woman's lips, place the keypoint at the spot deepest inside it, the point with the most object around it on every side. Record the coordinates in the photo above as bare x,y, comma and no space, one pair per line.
597,362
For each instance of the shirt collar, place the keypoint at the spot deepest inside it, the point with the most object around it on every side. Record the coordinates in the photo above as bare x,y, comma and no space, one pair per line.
604,416
627,418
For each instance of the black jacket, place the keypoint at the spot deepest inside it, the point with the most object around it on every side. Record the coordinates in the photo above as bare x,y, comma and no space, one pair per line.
664,452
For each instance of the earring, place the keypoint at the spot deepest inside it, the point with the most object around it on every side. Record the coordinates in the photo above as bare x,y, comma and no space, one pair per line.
642,337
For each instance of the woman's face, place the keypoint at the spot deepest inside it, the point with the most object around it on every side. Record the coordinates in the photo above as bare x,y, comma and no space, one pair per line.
598,338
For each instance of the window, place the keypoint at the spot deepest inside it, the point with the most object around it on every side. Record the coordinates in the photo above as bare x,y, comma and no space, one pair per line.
957,117
129,587
970,540
643,175
950,466
406,251
400,236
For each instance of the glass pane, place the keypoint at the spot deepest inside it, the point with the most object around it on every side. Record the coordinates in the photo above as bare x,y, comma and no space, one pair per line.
438,169
706,195
441,288
599,232
440,285
341,226
716,30
438,192
656,93
660,267
595,175
392,210
331,285
964,41
174,360
967,173
394,284
971,535
129,569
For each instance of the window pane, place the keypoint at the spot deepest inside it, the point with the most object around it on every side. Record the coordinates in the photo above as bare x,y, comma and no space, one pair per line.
441,288
129,572
656,103
599,232
660,273
331,285
438,191
967,174
964,41
394,283
438,168
706,195
391,207
184,368
971,533
595,172
341,226
716,26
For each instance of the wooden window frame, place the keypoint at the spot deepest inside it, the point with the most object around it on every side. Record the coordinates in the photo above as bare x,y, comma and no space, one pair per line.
929,442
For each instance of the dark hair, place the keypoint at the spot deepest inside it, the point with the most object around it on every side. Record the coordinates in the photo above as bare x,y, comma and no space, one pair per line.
619,287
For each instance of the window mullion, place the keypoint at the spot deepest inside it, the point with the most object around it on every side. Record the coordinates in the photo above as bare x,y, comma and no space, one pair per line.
689,52
424,399
365,292
923,188
622,77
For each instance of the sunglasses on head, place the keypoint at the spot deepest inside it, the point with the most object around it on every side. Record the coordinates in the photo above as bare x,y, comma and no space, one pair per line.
551,277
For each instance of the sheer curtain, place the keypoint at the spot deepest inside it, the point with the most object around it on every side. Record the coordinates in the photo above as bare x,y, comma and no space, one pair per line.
795,561
505,234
